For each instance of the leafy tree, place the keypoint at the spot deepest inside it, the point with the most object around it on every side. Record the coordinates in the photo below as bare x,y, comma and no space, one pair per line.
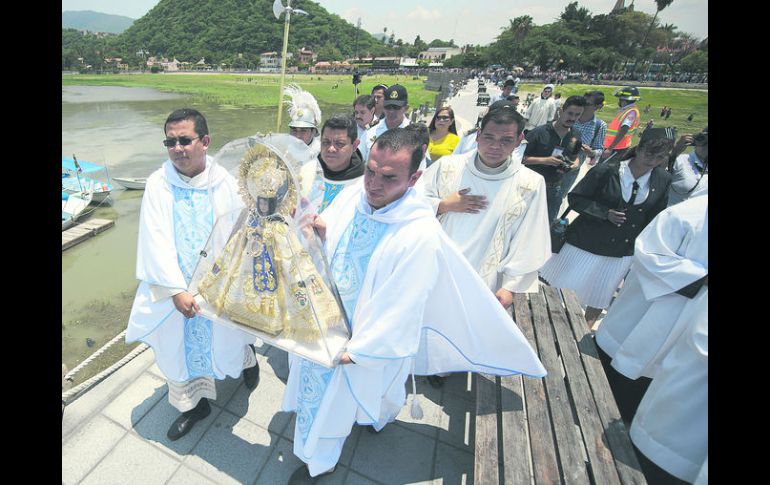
329,53
697,61
441,43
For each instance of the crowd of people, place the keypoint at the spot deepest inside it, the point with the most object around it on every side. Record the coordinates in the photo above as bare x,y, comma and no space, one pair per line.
561,76
428,234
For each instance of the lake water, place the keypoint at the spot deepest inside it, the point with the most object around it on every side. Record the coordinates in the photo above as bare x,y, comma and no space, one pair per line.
123,128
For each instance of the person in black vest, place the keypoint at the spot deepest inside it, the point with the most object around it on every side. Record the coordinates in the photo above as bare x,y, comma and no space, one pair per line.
615,202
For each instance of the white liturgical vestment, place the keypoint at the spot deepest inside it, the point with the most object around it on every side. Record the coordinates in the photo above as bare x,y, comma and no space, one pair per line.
670,253
419,308
508,241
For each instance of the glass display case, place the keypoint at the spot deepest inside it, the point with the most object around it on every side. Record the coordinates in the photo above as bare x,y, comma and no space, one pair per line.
263,269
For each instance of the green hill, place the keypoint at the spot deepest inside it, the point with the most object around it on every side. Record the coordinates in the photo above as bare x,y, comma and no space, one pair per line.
222,29
95,21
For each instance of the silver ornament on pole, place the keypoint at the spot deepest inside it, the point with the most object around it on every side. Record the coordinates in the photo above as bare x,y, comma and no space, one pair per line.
278,9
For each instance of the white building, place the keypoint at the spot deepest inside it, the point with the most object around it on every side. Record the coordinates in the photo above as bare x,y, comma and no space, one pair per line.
440,53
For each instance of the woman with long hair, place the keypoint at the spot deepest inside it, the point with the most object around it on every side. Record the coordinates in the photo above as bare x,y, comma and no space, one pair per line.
615,201
443,134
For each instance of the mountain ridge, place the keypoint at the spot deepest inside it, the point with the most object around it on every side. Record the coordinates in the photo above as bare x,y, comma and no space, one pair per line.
95,21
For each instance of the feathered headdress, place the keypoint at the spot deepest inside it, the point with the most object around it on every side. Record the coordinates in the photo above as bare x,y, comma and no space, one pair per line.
303,108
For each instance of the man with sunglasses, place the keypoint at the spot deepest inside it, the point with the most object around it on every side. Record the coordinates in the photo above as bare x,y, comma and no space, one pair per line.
182,201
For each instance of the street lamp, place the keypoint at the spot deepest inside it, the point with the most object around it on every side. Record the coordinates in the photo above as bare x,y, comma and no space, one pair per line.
278,8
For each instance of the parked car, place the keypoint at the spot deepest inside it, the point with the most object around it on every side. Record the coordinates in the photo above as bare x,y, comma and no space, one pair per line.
482,99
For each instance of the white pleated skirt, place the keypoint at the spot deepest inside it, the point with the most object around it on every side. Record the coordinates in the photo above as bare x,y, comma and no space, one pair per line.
593,278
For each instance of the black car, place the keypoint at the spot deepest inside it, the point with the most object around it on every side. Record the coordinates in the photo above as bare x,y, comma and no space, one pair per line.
482,100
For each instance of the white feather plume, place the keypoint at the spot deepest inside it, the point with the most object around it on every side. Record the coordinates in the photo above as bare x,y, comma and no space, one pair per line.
299,99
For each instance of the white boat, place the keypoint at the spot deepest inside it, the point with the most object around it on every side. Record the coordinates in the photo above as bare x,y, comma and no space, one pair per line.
74,178
73,205
133,183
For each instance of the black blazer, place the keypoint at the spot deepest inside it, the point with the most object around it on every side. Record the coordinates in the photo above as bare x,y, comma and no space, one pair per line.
599,191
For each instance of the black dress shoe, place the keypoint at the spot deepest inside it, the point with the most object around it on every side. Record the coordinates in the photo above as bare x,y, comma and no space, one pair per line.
436,381
251,375
302,476
187,420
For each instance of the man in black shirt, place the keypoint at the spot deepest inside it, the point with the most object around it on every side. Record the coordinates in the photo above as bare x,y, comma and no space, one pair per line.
552,150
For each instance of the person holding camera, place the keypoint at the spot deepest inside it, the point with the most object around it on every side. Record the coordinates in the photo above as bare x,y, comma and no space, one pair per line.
552,150
689,171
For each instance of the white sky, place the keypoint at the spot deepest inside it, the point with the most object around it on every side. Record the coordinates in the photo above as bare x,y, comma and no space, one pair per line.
467,22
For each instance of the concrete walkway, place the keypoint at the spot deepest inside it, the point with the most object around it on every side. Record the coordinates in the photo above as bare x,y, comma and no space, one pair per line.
116,434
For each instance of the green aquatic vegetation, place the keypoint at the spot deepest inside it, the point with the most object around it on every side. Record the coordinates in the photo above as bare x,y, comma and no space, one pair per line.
254,90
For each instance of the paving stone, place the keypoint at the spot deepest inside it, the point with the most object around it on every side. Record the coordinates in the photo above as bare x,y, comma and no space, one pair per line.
155,370
83,450
283,462
458,384
457,416
394,455
277,362
232,450
186,476
133,461
261,406
226,388
431,410
136,401
453,465
77,413
156,423
354,478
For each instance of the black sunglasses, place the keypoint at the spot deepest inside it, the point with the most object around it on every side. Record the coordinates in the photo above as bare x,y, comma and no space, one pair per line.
443,118
182,140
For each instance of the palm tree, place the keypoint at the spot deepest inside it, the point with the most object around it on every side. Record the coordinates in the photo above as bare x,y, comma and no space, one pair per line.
660,5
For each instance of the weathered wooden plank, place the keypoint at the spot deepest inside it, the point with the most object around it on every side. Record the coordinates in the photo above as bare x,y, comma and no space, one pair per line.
83,231
545,466
568,441
602,464
615,431
514,426
486,464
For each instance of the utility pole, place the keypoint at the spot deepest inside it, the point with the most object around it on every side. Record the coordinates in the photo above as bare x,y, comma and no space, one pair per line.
358,28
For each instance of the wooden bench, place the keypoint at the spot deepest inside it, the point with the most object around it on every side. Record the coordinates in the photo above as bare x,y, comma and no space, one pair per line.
564,428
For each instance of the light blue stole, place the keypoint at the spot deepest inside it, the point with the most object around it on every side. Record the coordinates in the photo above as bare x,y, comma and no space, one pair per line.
193,221
348,266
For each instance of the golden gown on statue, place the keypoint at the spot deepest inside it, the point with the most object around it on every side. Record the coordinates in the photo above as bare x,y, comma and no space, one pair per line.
264,278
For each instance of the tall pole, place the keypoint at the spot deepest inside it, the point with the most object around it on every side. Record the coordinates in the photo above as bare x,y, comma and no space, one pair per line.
283,63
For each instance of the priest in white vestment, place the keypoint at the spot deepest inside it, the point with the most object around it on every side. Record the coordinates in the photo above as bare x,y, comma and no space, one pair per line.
671,425
493,207
542,110
182,201
413,302
340,160
670,264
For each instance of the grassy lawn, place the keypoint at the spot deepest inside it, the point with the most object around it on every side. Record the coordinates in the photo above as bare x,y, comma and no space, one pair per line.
681,101
260,90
